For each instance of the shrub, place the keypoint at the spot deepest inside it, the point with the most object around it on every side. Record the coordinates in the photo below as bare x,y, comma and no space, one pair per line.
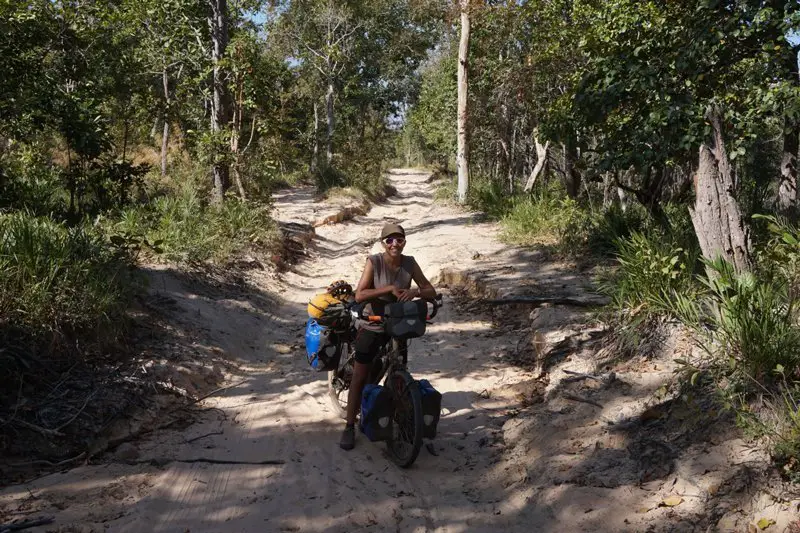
752,325
545,218
58,285
653,269
611,226
31,181
186,228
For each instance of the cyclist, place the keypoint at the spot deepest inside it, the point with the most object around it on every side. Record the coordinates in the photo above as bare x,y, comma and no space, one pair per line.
386,278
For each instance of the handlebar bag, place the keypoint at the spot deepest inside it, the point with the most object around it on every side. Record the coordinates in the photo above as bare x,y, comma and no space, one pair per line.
406,320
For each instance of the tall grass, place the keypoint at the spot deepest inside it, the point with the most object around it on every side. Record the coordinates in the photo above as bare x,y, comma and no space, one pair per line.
58,285
753,325
652,269
545,218
186,228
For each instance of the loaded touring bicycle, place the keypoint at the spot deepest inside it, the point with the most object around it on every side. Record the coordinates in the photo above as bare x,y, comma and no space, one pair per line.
401,411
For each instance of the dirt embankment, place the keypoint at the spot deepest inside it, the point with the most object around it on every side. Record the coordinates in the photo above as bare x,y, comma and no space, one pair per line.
545,426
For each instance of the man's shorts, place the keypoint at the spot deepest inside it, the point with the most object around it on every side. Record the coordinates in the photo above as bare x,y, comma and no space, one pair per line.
368,343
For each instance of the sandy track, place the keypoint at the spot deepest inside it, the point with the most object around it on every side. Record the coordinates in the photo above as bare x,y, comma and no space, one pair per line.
279,411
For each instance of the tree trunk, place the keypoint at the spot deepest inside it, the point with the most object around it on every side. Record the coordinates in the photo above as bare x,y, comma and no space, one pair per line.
716,215
512,163
329,110
315,154
541,163
237,179
572,178
462,156
126,125
236,135
235,138
219,103
787,193
608,191
165,136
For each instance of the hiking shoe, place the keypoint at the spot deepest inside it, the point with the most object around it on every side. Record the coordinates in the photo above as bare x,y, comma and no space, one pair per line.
348,441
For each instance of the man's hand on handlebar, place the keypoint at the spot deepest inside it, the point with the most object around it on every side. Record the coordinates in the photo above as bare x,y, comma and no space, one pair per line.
406,295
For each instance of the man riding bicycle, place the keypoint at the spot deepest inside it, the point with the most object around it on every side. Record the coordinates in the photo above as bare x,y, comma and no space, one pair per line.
386,278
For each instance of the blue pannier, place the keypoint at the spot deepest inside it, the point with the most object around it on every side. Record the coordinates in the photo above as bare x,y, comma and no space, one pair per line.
321,352
376,412
431,408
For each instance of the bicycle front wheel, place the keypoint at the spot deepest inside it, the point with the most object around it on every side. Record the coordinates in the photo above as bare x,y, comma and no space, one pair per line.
406,440
337,394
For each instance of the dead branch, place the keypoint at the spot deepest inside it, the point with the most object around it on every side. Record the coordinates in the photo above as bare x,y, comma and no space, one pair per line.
583,400
83,407
215,391
34,427
204,436
164,424
162,461
578,376
43,462
541,300
25,524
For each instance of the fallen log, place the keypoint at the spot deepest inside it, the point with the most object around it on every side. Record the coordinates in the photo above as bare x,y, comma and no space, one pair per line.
541,300
25,524
163,461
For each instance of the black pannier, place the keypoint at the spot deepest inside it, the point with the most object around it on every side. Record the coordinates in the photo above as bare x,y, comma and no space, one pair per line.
376,412
406,320
431,408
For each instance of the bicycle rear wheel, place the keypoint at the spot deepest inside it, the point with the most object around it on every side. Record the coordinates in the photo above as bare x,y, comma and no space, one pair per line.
406,438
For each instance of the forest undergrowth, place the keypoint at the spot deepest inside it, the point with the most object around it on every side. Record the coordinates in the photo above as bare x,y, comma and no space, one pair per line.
746,326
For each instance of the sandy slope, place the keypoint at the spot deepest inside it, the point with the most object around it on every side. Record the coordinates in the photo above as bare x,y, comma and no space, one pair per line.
514,453
280,412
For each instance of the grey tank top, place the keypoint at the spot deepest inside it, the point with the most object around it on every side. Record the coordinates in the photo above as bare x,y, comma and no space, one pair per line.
383,276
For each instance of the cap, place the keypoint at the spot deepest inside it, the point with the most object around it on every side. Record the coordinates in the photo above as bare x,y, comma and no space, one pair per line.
391,229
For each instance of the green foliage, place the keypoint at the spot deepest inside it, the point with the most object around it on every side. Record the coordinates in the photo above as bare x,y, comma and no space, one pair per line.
430,128
30,181
185,228
752,325
653,69
545,218
653,270
779,257
785,430
58,285
613,225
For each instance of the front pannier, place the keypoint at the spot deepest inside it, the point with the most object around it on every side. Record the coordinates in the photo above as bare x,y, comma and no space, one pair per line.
376,412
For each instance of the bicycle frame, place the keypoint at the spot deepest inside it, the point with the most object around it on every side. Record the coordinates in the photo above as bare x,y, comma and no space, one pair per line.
391,358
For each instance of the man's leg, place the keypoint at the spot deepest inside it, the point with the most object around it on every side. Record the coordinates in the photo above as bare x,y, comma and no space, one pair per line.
366,346
360,372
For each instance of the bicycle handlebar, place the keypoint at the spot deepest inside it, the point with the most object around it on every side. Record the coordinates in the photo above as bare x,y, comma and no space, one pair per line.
436,302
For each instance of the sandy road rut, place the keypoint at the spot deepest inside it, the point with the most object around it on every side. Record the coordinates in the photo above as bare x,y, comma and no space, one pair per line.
280,412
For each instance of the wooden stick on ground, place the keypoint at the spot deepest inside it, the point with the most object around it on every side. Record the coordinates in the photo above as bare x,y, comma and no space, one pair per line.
583,400
204,436
540,300
579,376
161,461
25,524
34,427
44,462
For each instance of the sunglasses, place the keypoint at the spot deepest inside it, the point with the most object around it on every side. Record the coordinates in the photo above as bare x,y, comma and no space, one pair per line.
399,241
